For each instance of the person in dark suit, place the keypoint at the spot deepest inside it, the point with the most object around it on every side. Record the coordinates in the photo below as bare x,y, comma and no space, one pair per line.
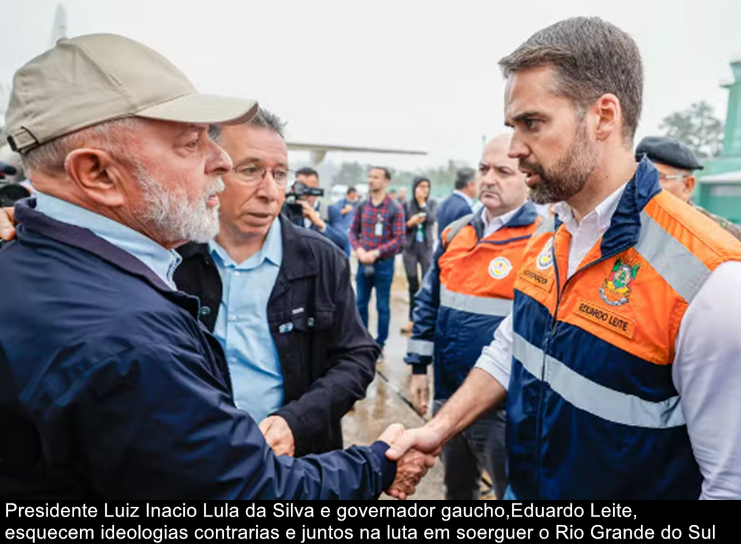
460,203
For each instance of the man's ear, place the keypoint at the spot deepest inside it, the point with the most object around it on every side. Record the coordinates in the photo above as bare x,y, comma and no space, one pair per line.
689,186
609,116
97,174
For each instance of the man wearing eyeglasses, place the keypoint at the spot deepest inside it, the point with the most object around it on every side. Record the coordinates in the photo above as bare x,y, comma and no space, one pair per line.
676,163
279,299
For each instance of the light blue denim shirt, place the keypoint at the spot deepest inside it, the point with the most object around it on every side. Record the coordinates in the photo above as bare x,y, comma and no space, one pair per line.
242,325
161,261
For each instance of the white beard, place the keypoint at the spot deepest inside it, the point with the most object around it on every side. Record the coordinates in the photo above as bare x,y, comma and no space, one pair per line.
173,217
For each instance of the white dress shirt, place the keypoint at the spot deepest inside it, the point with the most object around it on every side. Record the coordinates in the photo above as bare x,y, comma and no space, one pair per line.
707,364
490,227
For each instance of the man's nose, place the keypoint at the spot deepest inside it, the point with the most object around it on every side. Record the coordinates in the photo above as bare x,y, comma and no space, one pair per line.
220,162
517,148
268,188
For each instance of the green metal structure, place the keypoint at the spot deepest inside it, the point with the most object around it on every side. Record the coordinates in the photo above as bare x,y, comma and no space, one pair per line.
719,187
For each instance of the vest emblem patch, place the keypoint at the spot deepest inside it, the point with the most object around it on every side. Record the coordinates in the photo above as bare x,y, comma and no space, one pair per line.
500,268
617,288
545,258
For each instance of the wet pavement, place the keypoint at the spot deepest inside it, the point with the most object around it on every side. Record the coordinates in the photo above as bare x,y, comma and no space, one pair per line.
388,400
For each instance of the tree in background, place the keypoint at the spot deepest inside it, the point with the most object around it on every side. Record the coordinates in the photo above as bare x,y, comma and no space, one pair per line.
350,173
698,128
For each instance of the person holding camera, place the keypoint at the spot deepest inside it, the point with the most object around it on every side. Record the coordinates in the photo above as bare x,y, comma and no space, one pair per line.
421,214
317,214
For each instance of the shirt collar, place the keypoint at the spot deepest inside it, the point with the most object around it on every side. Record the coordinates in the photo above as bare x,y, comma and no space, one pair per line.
468,199
272,250
600,217
161,261
500,220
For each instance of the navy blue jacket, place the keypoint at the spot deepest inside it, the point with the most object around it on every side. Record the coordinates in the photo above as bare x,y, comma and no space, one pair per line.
129,394
453,208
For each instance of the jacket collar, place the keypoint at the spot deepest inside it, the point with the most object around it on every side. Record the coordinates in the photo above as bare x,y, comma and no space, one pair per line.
298,260
71,235
525,216
31,220
625,226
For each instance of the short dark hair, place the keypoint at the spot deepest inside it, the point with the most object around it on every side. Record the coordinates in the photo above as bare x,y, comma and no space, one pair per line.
263,118
463,177
351,190
386,172
307,171
591,58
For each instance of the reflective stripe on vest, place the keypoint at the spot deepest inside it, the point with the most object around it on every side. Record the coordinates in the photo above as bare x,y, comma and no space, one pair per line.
496,307
679,267
594,398
424,348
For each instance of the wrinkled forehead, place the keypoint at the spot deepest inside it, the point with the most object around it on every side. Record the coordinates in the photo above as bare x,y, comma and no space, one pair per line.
251,144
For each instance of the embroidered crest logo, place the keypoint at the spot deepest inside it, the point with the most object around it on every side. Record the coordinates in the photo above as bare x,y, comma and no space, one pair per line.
545,259
618,286
500,268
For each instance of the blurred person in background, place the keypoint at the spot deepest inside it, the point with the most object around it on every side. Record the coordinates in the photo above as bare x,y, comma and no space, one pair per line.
676,164
377,236
461,202
421,215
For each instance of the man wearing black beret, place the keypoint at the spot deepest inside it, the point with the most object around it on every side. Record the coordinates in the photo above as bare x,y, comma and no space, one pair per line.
675,163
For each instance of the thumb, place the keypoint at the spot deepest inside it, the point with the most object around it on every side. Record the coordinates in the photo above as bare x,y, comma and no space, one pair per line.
401,446
265,425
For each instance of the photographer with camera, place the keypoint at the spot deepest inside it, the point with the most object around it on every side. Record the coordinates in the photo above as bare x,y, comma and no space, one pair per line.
304,207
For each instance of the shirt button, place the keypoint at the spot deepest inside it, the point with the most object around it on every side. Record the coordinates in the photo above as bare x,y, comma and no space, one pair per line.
236,274
233,360
232,317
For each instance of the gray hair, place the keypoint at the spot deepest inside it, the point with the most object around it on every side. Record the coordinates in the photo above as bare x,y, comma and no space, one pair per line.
263,119
110,136
591,58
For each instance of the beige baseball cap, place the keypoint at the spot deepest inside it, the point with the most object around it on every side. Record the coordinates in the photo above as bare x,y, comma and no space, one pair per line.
90,79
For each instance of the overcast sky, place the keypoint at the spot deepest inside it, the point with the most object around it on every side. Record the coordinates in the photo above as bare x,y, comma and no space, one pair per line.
400,73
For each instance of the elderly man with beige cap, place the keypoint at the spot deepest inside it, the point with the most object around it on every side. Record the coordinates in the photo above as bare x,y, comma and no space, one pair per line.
109,386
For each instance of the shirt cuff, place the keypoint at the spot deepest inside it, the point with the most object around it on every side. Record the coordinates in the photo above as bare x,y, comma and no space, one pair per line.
388,468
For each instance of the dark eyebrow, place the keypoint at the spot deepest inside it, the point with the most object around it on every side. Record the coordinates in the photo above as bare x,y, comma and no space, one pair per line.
525,115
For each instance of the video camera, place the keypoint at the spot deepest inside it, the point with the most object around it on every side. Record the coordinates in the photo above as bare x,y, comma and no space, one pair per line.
10,192
299,191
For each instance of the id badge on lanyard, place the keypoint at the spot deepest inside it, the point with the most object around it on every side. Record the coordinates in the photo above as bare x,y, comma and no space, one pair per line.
378,232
